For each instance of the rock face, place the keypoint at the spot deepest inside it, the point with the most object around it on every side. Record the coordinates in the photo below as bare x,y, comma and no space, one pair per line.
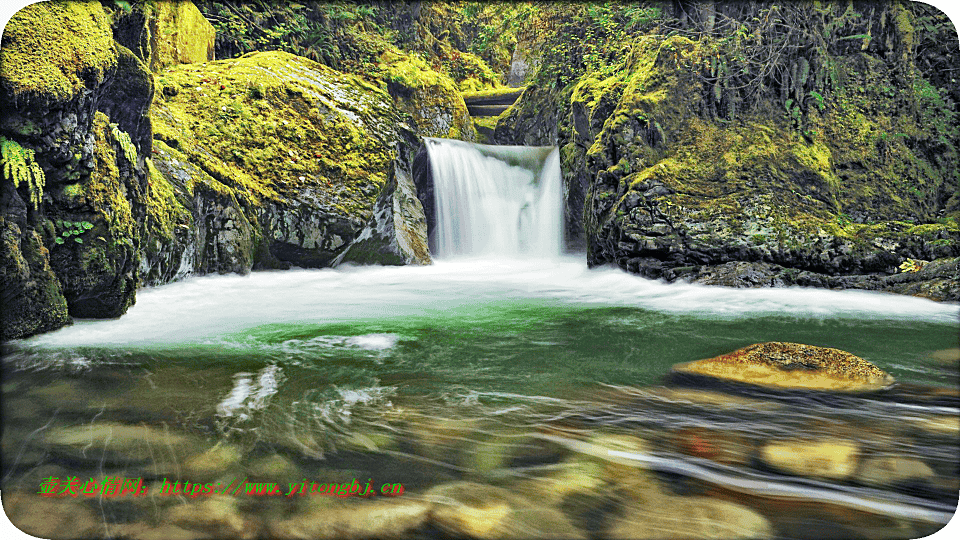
164,33
670,176
792,366
397,231
62,76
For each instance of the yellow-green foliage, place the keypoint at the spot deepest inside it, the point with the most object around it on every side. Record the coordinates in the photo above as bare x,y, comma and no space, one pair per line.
126,145
54,48
19,166
269,125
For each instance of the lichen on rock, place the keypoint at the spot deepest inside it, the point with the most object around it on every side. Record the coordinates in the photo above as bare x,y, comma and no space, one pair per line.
792,366
303,149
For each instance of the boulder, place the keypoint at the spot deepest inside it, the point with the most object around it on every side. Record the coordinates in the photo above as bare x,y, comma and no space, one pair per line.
667,517
397,231
792,366
297,150
165,33
467,509
833,459
353,520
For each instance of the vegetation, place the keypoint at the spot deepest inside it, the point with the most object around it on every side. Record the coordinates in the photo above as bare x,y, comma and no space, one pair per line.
19,166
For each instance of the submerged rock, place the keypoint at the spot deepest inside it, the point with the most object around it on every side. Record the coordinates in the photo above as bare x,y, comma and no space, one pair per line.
467,509
217,516
350,520
666,516
834,459
54,518
792,366
109,442
891,470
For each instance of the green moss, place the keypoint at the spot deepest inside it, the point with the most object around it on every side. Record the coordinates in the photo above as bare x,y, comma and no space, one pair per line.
164,210
55,49
305,127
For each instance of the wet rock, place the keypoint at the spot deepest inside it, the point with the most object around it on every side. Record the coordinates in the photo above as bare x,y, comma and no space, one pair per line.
833,459
211,463
471,509
892,470
52,518
947,357
397,231
671,517
717,445
114,443
792,366
274,468
350,520
217,516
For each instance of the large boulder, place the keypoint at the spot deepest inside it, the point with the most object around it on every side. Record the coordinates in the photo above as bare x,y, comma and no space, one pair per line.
792,366
287,154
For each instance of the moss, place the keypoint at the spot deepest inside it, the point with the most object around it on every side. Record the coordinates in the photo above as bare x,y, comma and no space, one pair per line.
180,34
305,127
56,49
164,211
430,97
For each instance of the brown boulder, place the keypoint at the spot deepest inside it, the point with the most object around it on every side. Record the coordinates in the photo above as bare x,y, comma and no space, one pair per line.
792,366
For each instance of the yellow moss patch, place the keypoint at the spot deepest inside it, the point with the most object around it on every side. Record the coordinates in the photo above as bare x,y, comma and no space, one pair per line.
270,125
57,48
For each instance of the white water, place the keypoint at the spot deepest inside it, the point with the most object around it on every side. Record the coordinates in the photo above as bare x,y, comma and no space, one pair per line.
199,309
487,206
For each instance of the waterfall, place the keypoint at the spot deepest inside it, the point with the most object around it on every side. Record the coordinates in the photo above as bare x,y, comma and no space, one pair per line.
496,201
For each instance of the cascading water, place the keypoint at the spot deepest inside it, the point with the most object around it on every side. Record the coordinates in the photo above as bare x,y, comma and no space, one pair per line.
499,201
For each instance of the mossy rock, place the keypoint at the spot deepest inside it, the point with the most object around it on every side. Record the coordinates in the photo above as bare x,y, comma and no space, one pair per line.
55,50
33,301
792,366
98,265
304,150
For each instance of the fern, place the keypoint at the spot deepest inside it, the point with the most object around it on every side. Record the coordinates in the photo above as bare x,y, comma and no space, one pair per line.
19,166
123,139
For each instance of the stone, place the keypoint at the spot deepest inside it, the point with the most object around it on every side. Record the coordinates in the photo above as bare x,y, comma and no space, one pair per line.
274,468
792,366
891,470
53,518
832,459
471,509
217,516
211,463
397,231
669,517
110,442
353,520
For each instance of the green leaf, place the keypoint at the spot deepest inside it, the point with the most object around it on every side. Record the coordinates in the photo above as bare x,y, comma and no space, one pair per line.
59,240
78,240
87,225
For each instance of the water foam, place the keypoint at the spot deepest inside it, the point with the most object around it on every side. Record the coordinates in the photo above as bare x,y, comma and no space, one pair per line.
205,307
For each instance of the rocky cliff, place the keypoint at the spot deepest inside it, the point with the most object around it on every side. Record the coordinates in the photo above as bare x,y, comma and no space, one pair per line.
713,157
135,159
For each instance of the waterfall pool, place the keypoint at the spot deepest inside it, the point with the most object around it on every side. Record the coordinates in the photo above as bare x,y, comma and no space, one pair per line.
506,391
